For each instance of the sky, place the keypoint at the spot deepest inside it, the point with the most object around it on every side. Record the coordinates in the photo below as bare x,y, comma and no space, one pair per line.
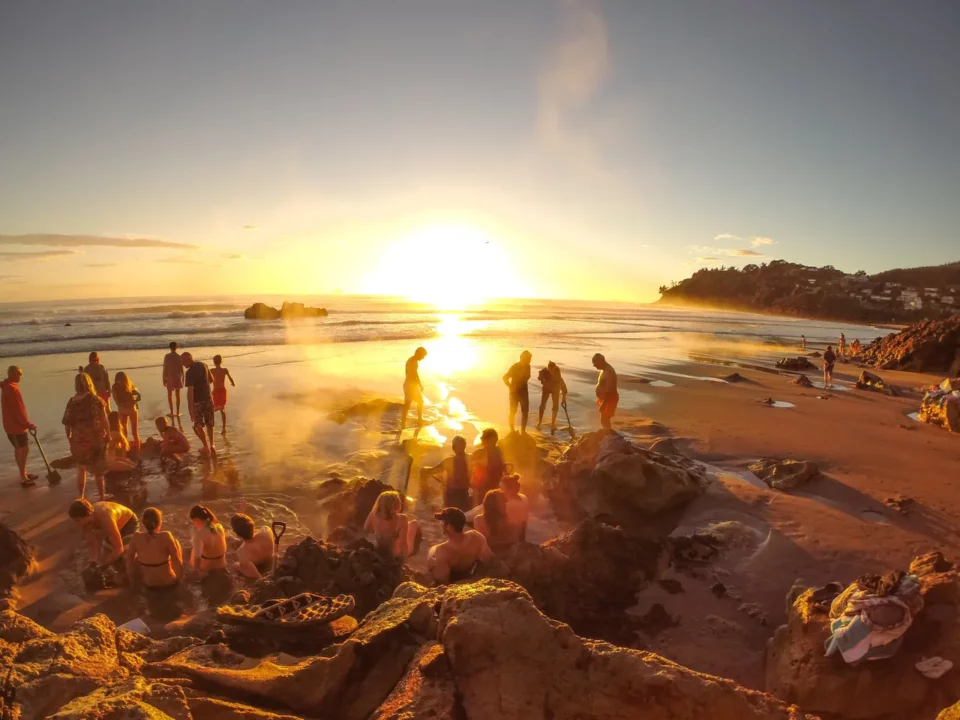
455,150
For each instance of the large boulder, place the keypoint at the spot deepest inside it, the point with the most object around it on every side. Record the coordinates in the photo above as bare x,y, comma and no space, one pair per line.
261,311
16,560
869,381
604,475
785,474
133,699
795,364
798,672
929,346
942,410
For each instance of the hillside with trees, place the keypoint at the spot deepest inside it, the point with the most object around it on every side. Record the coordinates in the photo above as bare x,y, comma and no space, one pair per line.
781,287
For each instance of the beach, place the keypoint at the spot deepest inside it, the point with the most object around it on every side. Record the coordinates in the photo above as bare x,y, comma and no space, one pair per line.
319,402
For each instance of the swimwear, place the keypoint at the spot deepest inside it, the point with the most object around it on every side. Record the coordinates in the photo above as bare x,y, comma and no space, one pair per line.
457,497
219,398
130,527
218,557
18,440
608,405
203,413
412,393
159,564
520,397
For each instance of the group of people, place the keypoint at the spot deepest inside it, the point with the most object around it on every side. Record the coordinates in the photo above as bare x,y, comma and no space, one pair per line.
99,439
517,380
153,557
830,356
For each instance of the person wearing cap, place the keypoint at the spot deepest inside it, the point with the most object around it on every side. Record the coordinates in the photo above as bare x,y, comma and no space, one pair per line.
607,396
517,379
413,388
16,424
457,557
173,377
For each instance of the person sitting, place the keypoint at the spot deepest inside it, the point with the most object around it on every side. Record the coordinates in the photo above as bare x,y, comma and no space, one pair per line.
173,444
154,557
518,506
456,472
118,446
255,554
209,547
394,532
492,523
105,527
488,465
457,557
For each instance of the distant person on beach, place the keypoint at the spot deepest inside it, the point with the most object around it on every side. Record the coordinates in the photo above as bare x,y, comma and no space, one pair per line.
456,476
394,533
220,377
200,401
126,396
553,387
829,360
173,377
803,342
856,347
413,388
517,379
16,424
88,431
842,345
154,557
457,557
173,444
208,550
118,447
493,524
607,395
518,506
487,465
101,378
106,526
255,554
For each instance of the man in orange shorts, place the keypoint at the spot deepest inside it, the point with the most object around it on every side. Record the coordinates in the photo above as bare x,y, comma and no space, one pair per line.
220,377
607,396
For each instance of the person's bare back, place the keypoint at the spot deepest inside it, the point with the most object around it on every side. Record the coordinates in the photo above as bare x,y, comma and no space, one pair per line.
456,558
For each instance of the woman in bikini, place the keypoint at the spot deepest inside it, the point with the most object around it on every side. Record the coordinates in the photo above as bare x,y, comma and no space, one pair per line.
154,558
209,551
118,447
493,524
394,532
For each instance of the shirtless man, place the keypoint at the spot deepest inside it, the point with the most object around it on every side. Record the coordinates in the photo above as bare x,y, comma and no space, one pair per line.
517,379
829,360
173,377
607,395
456,558
200,401
220,377
255,554
413,389
101,378
105,526
518,506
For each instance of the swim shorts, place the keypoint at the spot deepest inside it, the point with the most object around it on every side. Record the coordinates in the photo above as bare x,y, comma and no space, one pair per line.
18,440
105,396
203,413
173,382
520,397
219,398
608,405
412,393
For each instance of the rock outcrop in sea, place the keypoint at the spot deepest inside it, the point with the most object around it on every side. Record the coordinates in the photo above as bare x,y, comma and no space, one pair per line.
288,311
930,346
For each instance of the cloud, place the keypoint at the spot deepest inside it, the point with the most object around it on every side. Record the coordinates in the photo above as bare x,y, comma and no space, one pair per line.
758,241
708,259
76,241
181,261
705,252
727,236
744,253
575,70
100,265
234,256
41,255
250,227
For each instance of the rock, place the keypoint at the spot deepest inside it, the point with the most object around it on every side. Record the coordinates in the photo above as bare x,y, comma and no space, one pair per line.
350,506
656,620
289,311
941,410
208,708
734,378
428,689
665,446
869,381
258,642
798,672
785,474
319,567
815,353
796,364
671,585
803,381
930,346
719,589
16,560
134,698
509,662
605,475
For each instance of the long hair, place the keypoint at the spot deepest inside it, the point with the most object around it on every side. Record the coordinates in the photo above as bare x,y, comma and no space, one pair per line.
388,505
202,512
494,509
152,518
122,385
83,384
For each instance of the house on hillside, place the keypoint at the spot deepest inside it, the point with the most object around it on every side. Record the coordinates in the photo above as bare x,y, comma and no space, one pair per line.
931,292
891,285
948,300
911,299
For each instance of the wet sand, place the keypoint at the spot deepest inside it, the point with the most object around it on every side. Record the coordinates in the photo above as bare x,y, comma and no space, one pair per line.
282,445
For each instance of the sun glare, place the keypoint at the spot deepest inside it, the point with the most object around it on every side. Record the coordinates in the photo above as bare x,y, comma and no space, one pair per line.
452,267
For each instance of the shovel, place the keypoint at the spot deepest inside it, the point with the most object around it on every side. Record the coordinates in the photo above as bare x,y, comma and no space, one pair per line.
569,424
278,528
53,477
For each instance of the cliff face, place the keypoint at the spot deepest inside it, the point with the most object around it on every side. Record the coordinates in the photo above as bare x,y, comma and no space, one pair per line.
925,347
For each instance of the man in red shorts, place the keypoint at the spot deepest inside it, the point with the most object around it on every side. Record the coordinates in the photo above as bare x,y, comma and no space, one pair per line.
16,423
607,396
220,377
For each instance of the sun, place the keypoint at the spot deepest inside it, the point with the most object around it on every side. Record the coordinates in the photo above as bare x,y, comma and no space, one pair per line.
452,267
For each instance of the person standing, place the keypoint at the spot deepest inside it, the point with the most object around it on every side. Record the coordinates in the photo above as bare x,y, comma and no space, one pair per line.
803,342
842,345
413,388
200,401
88,431
173,377
517,379
829,360
220,377
101,378
16,424
456,471
126,396
487,465
607,395
554,388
